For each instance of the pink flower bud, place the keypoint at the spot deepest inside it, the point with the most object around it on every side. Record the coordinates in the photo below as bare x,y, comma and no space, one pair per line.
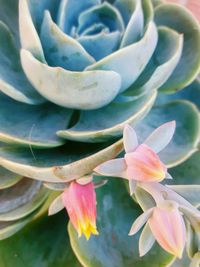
168,228
144,165
80,203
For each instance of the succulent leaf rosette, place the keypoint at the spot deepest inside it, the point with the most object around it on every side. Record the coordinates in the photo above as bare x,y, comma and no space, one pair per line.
74,74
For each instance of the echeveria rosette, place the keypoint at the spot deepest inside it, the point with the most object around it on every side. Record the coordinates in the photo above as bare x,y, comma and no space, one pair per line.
53,77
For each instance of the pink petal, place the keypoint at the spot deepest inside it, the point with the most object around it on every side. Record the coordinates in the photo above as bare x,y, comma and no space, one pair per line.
161,136
130,139
80,203
144,165
169,230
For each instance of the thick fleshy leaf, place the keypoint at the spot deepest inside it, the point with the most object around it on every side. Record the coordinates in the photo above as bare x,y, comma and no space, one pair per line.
25,209
186,182
148,11
18,195
9,15
60,49
104,13
130,61
191,93
135,27
70,162
186,136
38,126
181,20
80,90
69,12
146,240
126,8
117,115
161,136
28,35
8,229
100,45
116,212
33,245
38,7
114,167
188,172
190,192
130,139
8,179
163,62
192,5
13,81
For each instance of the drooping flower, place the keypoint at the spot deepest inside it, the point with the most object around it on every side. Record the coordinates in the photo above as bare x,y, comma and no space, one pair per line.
80,203
141,162
167,227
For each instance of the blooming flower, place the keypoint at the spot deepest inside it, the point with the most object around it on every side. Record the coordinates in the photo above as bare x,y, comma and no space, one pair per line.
141,162
167,226
80,203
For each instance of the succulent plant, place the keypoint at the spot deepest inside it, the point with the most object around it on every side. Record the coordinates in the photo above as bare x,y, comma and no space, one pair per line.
73,74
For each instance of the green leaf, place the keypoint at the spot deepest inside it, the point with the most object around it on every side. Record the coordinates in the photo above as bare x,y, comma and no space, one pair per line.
108,122
130,61
188,172
19,194
13,81
8,179
179,19
113,247
9,15
31,126
186,179
58,165
25,209
186,138
42,243
191,93
80,90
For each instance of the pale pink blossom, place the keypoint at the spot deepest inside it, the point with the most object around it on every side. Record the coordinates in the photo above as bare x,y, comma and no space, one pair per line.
141,162
166,225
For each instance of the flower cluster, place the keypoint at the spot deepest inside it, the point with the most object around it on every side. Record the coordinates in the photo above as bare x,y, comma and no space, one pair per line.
166,221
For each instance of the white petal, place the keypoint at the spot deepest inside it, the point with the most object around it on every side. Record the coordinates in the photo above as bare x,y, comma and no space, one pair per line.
114,167
56,206
130,139
161,137
140,221
146,240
